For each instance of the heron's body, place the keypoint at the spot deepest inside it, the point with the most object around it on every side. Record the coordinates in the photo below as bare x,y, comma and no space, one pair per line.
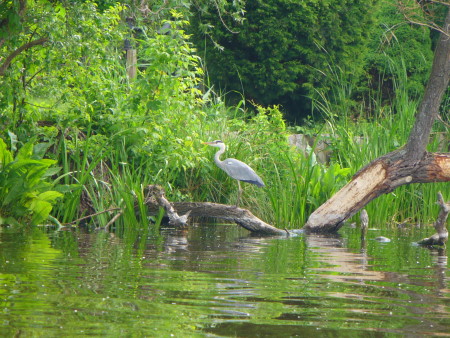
235,168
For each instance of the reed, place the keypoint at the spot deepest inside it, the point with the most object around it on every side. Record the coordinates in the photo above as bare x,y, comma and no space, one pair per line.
113,170
357,142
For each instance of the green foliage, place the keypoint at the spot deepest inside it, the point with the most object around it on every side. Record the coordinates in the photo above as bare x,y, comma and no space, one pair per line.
78,98
300,185
357,142
65,76
26,195
281,52
395,42
272,57
113,135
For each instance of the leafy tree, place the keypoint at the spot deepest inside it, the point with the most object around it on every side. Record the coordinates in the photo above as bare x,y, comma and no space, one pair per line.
277,55
60,74
398,49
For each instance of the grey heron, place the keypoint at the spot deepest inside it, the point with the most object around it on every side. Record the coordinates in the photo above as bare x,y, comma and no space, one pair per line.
235,168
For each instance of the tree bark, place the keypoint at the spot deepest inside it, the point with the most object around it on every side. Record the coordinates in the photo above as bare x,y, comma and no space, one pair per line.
441,235
381,176
242,217
156,195
434,91
410,164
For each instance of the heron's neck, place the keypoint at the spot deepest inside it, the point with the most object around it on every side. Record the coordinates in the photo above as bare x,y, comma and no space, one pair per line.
217,155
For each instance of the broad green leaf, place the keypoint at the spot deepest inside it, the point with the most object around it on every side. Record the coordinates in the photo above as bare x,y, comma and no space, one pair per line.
49,196
41,209
40,149
5,154
52,171
25,152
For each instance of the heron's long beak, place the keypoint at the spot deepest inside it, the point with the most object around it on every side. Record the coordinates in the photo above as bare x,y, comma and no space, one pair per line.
208,143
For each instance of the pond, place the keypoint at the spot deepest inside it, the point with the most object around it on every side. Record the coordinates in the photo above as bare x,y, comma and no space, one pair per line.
216,280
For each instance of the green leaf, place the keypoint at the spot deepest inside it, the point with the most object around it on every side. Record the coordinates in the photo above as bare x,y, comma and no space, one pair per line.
25,152
41,206
40,149
68,188
41,210
52,171
5,155
49,196
13,140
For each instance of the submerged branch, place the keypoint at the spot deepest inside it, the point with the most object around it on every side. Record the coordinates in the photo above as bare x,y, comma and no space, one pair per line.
441,235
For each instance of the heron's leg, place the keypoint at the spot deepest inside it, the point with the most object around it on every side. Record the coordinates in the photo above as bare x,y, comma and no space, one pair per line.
239,193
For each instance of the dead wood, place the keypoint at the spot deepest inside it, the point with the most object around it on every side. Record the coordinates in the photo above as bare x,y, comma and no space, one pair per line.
381,176
410,164
441,235
156,195
241,217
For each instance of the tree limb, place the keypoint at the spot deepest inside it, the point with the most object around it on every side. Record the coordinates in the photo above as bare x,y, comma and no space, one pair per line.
19,50
156,194
441,235
379,177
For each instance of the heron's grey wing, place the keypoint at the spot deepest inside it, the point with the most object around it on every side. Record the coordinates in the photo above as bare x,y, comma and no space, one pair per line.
241,171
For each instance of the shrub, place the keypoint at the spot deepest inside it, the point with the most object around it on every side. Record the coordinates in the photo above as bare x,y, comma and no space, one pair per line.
273,56
26,195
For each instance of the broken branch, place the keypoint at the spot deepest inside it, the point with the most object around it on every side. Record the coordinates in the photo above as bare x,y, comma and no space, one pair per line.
441,235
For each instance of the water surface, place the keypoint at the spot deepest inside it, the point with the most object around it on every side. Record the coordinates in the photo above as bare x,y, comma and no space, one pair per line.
216,280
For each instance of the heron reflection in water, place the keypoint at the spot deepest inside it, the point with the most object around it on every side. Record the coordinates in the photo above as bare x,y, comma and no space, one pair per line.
235,168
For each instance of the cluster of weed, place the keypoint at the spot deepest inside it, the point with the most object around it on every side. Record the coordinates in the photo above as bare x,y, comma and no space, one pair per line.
112,135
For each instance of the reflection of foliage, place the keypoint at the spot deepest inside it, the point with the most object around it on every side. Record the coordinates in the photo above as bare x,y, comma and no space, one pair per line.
218,280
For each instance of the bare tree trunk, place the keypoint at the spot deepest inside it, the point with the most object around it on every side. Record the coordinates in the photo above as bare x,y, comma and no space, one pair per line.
410,164
436,87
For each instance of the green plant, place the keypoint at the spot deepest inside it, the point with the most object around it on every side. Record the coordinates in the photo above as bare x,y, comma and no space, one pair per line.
26,193
300,185
275,65
357,141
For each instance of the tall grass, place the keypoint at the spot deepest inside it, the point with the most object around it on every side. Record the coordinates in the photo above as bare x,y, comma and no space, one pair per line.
113,171
357,143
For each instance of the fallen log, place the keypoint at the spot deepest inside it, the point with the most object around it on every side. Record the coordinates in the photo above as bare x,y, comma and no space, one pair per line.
240,216
381,176
156,195
409,164
441,235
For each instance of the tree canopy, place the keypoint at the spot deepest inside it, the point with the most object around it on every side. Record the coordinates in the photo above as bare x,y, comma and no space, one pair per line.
286,52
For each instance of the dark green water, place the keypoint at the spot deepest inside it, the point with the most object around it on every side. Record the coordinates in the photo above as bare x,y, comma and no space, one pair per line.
217,281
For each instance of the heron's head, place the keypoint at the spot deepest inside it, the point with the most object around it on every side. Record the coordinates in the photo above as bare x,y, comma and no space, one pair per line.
216,143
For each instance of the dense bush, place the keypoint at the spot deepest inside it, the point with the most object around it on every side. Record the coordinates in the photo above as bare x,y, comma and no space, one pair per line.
277,54
396,46
287,51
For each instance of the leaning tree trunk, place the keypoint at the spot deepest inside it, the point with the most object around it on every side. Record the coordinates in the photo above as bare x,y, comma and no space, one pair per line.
410,164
